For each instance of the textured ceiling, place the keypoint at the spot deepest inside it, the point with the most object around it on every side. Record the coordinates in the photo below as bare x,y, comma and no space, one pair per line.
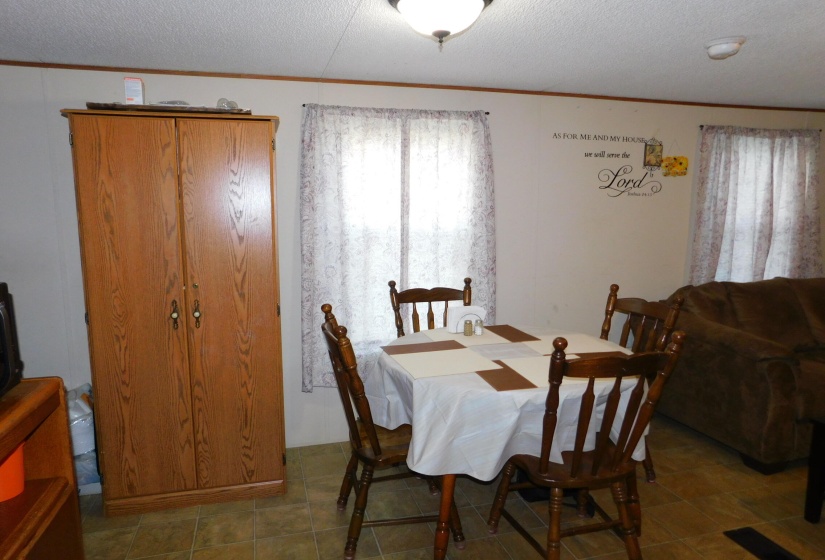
648,49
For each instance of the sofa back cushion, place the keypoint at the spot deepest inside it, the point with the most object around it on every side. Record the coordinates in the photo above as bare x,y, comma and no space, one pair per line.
811,295
708,301
770,309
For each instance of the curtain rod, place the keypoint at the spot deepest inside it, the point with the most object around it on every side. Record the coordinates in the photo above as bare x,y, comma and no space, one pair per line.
701,127
485,112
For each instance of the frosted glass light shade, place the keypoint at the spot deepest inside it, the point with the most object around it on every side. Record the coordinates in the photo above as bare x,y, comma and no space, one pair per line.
440,18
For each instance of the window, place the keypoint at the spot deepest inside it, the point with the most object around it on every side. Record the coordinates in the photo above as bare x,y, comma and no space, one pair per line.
757,205
389,194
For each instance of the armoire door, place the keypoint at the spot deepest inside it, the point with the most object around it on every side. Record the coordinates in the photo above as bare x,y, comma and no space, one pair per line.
126,184
226,174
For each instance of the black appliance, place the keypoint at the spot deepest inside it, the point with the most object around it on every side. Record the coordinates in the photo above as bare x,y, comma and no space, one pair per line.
11,368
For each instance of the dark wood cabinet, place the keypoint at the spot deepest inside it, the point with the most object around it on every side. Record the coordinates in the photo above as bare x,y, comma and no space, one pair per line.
176,215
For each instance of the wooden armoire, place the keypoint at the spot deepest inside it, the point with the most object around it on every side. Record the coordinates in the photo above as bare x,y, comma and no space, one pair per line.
177,223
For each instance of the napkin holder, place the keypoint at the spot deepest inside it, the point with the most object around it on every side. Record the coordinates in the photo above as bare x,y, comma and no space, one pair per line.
458,314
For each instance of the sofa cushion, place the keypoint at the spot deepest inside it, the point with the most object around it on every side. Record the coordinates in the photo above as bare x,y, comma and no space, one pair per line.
709,301
771,310
811,295
810,384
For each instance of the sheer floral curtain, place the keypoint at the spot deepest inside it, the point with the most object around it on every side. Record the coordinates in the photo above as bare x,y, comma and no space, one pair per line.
389,194
757,207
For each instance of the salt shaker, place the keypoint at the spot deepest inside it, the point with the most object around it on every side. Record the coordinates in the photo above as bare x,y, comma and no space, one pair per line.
479,328
468,328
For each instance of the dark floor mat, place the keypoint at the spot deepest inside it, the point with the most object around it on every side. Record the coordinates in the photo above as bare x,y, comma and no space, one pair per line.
758,544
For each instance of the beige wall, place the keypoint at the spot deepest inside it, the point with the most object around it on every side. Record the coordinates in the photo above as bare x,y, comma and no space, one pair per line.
561,240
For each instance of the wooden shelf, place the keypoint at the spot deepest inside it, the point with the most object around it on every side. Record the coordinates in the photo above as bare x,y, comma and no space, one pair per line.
43,521
24,518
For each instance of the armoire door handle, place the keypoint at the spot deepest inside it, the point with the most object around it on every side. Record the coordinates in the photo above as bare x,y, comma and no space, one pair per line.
175,314
197,314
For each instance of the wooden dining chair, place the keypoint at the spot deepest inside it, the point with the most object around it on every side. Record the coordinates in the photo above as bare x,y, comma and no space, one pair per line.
609,464
416,296
651,323
373,447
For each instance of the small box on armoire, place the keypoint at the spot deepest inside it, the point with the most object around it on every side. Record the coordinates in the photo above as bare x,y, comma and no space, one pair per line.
134,91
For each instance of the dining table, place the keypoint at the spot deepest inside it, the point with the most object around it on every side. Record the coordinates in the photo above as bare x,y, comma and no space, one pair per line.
475,401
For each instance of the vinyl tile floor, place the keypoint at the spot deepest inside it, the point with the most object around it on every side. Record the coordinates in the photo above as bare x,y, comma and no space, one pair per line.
702,489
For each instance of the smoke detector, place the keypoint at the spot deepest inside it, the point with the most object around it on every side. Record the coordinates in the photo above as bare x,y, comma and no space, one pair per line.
719,49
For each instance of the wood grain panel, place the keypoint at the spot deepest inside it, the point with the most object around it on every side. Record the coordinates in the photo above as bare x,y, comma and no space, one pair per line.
24,408
126,181
226,171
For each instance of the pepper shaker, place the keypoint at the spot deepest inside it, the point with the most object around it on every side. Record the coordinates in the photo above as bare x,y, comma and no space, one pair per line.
468,328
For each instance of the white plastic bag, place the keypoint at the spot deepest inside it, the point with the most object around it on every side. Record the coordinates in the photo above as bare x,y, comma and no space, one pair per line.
82,428
85,466
81,423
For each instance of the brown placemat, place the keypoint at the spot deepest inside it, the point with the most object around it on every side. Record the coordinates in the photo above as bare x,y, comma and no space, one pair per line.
511,333
423,347
506,378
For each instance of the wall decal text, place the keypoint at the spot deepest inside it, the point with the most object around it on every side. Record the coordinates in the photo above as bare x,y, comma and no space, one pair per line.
620,182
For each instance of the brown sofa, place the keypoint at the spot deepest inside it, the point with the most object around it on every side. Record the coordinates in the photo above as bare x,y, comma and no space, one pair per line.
753,366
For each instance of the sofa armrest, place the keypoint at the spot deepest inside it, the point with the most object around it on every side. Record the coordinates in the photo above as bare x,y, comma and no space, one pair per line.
735,387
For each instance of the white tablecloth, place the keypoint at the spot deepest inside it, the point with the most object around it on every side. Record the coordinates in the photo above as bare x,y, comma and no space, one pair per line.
462,425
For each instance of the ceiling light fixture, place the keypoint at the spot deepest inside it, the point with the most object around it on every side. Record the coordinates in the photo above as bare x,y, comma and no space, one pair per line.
439,18
719,49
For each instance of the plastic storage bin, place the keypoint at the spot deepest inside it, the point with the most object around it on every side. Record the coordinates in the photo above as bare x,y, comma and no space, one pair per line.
12,479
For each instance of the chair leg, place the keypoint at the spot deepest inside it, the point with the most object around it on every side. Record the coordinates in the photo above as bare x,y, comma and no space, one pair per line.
581,502
648,463
433,484
554,529
633,505
628,530
501,497
350,477
455,527
358,512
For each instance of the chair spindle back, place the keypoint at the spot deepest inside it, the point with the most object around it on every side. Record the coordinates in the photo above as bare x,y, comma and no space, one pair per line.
654,367
415,296
650,322
350,386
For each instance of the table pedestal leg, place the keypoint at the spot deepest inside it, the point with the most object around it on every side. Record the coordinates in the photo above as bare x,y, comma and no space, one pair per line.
442,530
